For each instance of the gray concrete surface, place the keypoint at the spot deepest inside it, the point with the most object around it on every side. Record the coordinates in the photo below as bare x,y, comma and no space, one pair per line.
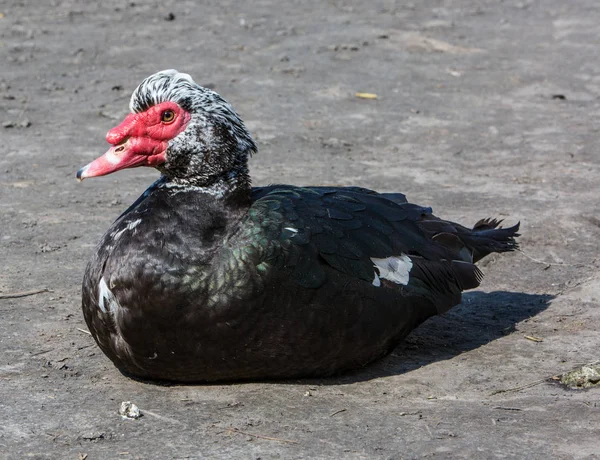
484,108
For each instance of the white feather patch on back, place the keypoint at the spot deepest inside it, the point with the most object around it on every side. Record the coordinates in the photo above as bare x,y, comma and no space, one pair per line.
395,269
106,299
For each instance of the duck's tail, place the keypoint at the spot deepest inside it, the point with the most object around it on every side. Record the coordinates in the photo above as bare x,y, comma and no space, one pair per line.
487,236
471,245
466,246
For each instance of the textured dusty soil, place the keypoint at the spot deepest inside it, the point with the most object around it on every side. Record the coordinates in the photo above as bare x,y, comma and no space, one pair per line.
484,108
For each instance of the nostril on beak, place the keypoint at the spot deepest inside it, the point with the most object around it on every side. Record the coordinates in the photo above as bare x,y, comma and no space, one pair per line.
120,146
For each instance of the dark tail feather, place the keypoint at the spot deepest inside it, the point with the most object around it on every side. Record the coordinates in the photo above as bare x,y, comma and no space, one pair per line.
488,237
443,282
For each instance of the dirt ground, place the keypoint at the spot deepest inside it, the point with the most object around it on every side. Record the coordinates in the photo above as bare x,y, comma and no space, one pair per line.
483,108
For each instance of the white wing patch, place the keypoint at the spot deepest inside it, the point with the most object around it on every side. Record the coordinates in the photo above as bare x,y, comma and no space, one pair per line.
395,269
376,280
106,299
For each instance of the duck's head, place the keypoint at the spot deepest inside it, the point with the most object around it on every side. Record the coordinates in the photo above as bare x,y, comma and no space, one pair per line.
189,133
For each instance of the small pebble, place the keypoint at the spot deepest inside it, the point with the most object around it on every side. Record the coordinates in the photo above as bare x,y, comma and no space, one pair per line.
129,410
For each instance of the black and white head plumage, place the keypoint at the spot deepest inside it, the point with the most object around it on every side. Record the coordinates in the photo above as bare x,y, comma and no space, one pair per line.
215,145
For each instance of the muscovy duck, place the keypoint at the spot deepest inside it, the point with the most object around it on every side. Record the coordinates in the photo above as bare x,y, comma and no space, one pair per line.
205,278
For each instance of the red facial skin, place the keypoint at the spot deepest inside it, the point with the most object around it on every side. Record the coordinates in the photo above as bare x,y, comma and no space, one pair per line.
141,139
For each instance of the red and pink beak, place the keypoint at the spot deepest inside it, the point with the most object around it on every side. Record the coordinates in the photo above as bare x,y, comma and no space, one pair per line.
138,141
132,152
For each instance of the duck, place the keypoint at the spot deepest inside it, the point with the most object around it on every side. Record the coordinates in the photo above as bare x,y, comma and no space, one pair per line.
205,278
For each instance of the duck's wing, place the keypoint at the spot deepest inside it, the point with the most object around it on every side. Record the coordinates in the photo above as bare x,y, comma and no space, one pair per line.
357,232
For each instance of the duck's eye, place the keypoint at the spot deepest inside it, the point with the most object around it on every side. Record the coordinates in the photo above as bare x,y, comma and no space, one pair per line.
167,116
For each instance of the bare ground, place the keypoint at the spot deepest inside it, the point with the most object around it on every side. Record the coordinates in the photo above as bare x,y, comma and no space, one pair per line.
484,108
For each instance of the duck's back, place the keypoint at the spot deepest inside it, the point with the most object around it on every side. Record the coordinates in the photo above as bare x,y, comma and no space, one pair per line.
298,282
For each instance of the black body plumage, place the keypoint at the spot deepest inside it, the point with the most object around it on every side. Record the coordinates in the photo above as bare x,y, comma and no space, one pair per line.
205,292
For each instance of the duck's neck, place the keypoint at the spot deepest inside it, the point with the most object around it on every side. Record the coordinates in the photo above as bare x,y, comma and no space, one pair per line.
232,188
